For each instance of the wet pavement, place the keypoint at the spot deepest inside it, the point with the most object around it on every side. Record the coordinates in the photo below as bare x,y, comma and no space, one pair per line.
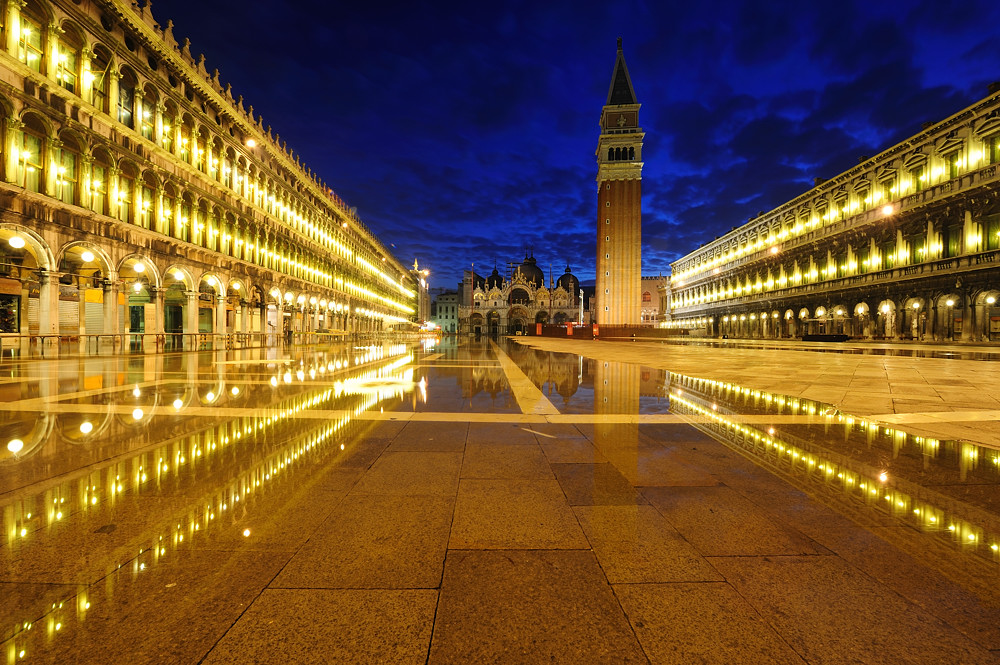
551,501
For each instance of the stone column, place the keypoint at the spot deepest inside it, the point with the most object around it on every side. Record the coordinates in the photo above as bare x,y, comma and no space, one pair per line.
191,320
13,19
13,141
48,307
220,315
245,317
111,305
158,296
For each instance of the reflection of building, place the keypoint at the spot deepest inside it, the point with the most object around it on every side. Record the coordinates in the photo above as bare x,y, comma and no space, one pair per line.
904,245
137,195
446,311
514,303
619,203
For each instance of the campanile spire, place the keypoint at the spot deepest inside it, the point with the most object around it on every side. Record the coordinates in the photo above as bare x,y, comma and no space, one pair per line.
619,202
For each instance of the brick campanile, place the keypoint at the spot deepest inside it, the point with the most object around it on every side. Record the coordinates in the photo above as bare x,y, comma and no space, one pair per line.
619,204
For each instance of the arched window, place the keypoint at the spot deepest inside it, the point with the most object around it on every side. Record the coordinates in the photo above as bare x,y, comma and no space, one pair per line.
618,154
147,120
100,68
67,169
186,221
99,183
30,47
126,193
147,203
611,154
201,150
631,153
647,297
187,131
167,135
126,98
168,216
68,59
32,155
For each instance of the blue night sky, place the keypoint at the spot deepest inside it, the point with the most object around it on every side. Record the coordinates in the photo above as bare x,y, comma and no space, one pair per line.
465,132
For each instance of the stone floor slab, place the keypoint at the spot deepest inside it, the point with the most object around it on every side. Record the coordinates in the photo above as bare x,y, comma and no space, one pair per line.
412,473
331,626
705,623
514,514
529,607
720,522
634,544
830,612
375,542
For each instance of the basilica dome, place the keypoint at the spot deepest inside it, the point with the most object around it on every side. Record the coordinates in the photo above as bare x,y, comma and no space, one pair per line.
495,280
569,282
531,273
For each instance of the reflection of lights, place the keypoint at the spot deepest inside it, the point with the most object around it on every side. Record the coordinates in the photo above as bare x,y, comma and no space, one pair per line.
86,427
235,391
274,381
288,377
137,414
210,396
178,403
15,445
246,533
136,392
17,242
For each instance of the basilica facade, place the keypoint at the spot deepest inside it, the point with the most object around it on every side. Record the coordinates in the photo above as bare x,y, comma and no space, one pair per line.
514,302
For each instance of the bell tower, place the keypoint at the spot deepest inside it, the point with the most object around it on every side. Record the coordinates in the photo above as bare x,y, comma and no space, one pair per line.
619,204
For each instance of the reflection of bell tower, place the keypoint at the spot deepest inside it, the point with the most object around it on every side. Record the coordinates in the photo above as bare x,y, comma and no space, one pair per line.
619,203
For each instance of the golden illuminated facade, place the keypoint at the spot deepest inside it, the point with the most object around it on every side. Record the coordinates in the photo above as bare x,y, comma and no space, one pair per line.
619,203
906,245
138,196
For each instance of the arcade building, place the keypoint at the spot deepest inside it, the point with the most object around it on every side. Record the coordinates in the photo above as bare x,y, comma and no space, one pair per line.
905,245
139,197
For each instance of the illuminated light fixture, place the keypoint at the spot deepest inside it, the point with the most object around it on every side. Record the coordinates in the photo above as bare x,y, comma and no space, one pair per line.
887,210
246,533
210,396
17,242
274,381
210,281
86,427
883,477
137,287
990,300
136,392
950,302
178,275
137,414
15,445
774,250
87,257
178,403
251,143
139,267
916,305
